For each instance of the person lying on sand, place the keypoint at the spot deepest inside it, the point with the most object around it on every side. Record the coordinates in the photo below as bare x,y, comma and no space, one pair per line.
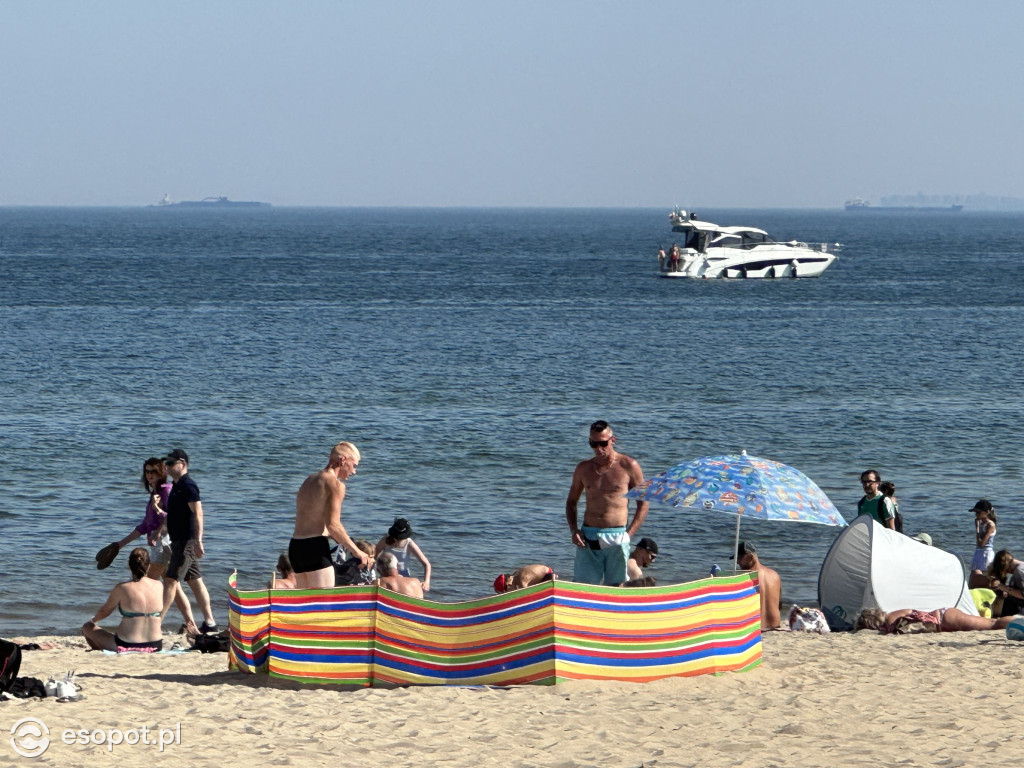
944,619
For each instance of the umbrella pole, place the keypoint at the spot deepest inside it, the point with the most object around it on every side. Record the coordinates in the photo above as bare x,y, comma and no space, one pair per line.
736,545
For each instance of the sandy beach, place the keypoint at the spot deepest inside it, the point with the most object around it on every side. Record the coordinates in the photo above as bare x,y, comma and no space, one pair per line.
841,699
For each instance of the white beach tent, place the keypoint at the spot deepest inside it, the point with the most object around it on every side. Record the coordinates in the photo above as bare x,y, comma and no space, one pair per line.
870,566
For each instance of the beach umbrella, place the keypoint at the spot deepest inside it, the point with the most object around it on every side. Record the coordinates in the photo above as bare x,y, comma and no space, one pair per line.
741,485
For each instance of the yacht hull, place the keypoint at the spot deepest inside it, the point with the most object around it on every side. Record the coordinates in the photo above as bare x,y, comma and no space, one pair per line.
778,263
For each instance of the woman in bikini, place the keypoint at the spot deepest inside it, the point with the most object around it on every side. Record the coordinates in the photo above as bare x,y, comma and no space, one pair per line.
944,619
139,602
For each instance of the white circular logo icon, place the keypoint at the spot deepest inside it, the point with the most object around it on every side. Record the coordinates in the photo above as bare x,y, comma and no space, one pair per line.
30,737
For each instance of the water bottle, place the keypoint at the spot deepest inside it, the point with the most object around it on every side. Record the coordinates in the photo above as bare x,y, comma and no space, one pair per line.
715,570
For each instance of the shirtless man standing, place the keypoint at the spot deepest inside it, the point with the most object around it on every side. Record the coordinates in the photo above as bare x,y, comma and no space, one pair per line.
770,585
318,515
603,541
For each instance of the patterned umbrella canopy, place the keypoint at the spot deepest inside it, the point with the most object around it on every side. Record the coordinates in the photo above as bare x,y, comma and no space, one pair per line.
741,485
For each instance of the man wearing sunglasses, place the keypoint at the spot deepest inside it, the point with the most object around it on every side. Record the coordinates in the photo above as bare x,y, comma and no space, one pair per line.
602,542
185,527
873,503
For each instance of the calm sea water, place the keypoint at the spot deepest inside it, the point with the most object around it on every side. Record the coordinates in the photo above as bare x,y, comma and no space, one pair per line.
465,352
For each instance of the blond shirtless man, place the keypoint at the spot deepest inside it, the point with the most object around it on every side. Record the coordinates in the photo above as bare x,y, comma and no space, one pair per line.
390,578
769,584
318,515
603,540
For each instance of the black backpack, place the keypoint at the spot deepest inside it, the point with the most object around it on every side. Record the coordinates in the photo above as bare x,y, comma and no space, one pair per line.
899,517
215,643
10,663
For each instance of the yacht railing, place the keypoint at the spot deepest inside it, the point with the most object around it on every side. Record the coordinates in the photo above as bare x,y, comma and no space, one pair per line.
823,247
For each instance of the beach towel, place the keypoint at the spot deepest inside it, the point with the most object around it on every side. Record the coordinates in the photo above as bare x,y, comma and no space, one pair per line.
983,599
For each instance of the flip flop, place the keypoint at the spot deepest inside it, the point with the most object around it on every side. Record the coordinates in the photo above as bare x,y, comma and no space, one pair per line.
107,555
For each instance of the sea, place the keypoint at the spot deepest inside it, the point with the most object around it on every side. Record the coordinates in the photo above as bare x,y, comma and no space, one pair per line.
466,351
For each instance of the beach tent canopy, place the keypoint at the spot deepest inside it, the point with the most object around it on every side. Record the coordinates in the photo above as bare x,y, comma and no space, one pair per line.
870,566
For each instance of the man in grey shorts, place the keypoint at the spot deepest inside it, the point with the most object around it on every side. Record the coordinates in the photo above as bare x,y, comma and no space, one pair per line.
185,527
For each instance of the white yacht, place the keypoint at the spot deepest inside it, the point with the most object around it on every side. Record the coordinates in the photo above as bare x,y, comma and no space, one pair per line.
706,250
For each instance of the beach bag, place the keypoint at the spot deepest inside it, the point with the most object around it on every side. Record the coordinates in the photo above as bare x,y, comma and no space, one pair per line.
351,573
10,663
807,620
216,643
27,688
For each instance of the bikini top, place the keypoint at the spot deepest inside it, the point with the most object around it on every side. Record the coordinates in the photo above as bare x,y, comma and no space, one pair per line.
133,615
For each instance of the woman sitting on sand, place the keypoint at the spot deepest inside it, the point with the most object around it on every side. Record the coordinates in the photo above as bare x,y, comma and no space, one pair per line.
140,602
1006,578
944,620
287,578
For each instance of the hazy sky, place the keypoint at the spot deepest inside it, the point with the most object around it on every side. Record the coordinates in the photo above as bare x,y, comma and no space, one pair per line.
764,104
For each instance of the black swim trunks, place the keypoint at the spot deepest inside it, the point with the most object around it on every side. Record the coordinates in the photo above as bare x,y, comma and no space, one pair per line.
310,554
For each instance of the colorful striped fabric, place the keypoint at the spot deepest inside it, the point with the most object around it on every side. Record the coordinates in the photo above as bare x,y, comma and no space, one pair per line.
544,634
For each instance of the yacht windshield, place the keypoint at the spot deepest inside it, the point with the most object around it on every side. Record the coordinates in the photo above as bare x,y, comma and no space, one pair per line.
696,240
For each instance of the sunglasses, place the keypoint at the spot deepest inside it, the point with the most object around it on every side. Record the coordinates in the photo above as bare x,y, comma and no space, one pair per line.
601,443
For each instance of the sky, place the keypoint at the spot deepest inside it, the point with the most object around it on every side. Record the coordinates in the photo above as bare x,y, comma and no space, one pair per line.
517,103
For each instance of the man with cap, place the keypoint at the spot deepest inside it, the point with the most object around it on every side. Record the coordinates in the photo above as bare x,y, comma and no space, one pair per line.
643,555
185,527
769,584
526,576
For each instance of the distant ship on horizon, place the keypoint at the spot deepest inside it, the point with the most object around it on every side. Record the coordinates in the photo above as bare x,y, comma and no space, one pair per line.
860,204
209,202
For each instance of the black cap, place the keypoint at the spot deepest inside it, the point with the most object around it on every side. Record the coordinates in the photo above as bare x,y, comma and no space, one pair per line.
983,505
400,529
649,544
745,548
176,455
